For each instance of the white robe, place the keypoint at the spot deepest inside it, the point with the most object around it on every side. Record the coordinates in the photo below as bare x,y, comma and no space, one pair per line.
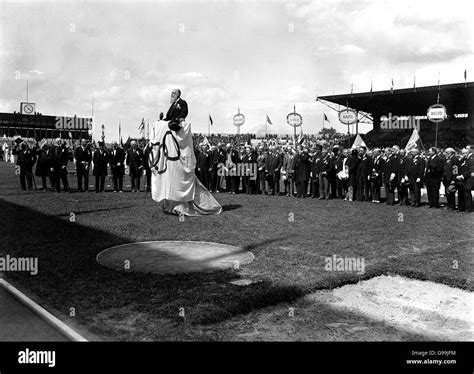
173,182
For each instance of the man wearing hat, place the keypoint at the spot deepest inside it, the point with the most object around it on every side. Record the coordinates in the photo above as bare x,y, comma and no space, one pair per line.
450,171
101,159
25,160
83,158
177,112
59,161
203,164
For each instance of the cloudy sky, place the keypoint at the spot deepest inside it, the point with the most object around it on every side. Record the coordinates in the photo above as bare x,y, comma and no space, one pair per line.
263,57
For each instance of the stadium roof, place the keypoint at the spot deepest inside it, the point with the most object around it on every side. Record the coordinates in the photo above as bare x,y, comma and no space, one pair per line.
457,98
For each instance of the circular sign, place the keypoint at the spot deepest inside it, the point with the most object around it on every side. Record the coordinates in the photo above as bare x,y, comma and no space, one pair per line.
239,119
347,116
294,119
436,113
28,108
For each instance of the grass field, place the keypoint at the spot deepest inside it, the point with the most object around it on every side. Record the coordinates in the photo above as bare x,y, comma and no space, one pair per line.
289,255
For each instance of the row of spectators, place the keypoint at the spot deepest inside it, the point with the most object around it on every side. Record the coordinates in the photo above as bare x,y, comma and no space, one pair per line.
269,167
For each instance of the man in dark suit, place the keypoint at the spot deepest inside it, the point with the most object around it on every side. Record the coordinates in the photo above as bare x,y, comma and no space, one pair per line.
390,175
302,171
217,158
433,174
262,156
326,165
146,164
101,159
203,164
177,112
83,157
352,164
402,178
314,172
363,174
415,173
59,161
25,160
465,181
272,167
376,175
117,164
450,171
135,164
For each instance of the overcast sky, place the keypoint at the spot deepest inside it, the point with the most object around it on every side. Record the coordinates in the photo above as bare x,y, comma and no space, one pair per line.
263,57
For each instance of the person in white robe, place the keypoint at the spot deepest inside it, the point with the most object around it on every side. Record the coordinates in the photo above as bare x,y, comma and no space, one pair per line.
173,182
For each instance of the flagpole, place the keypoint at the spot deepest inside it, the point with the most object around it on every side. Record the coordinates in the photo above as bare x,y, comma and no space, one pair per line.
294,127
209,125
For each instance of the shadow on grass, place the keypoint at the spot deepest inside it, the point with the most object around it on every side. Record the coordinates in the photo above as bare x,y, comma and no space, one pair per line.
229,207
69,276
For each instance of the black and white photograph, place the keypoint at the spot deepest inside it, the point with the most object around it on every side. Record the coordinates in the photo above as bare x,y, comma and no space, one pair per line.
215,172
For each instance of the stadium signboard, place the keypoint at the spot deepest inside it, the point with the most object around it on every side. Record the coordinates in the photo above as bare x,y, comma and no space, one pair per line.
239,119
347,116
436,113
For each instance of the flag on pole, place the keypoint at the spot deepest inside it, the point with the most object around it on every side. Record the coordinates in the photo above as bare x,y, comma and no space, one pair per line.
301,136
206,141
141,127
392,87
268,120
414,141
465,76
210,119
326,118
358,142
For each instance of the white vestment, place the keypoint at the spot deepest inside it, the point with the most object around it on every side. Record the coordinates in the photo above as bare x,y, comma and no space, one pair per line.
173,181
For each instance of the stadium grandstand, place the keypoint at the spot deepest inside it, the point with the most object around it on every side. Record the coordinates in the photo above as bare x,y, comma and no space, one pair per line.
394,113
34,125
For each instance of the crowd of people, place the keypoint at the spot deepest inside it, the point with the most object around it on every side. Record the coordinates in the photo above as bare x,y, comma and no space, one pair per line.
52,159
269,168
356,174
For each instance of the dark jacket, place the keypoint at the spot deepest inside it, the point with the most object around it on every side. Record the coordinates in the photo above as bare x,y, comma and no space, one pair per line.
416,168
302,167
352,164
117,158
101,159
135,160
177,112
42,165
449,169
